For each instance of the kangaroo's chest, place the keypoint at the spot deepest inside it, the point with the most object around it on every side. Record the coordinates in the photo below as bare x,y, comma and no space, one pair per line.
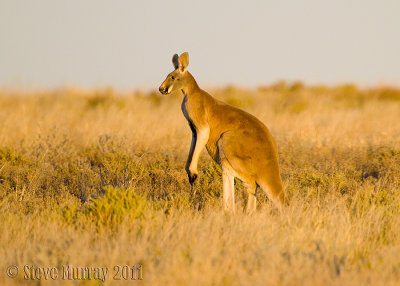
196,118
194,113
185,110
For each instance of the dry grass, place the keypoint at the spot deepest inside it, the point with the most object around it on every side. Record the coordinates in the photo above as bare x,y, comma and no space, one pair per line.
95,178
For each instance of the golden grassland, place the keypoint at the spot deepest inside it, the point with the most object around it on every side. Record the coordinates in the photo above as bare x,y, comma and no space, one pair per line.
96,178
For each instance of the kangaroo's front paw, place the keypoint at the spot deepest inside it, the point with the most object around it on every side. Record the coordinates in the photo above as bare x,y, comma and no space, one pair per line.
192,177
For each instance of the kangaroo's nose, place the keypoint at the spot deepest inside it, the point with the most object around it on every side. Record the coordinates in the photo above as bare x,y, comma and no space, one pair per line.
161,90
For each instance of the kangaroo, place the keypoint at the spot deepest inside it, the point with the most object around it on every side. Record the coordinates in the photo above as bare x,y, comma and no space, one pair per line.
236,140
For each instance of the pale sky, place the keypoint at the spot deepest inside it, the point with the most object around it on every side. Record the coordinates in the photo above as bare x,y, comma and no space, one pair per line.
129,44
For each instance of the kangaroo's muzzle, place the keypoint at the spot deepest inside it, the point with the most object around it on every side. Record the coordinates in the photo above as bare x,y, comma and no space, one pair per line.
162,90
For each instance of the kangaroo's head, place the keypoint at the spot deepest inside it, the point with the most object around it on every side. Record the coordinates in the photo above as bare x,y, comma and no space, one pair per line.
177,79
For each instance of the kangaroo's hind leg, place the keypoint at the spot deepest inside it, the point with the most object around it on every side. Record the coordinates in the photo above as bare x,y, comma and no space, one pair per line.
228,184
228,177
252,198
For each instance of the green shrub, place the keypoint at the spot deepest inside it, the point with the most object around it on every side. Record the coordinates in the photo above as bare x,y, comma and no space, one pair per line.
116,205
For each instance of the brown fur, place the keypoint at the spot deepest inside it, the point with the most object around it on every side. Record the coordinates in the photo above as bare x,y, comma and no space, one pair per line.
240,143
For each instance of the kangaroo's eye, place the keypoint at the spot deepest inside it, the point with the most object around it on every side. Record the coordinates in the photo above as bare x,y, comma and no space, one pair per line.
172,77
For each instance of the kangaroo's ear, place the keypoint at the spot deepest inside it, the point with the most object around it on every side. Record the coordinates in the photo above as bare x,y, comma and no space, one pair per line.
175,61
183,61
